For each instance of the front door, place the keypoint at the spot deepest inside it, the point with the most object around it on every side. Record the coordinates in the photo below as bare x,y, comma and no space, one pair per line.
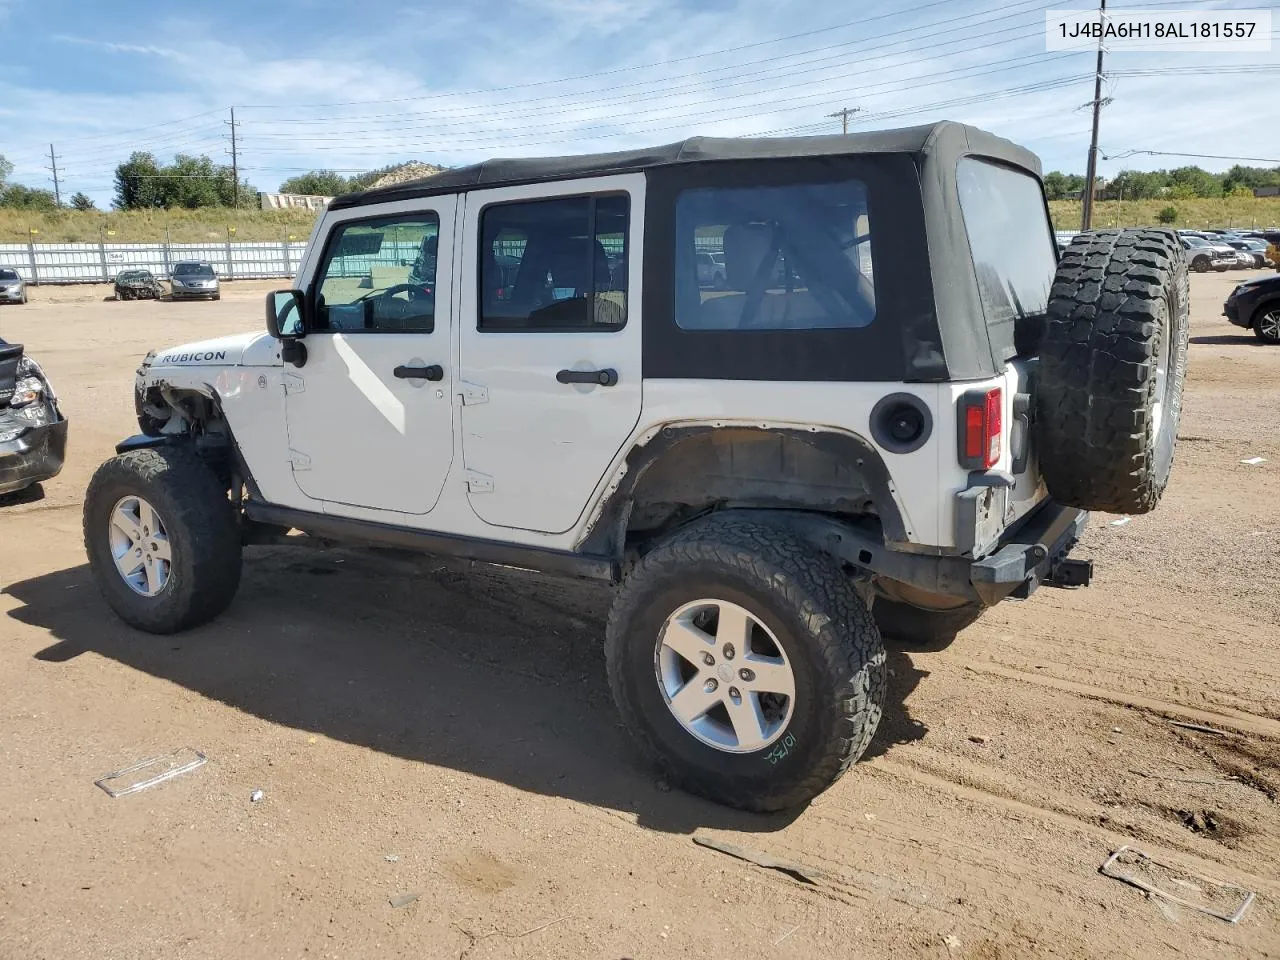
370,414
549,345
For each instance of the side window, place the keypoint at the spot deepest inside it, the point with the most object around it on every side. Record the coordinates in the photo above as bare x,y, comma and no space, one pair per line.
793,257
379,275
554,265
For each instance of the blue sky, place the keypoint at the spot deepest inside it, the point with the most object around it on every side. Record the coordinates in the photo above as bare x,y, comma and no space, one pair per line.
329,83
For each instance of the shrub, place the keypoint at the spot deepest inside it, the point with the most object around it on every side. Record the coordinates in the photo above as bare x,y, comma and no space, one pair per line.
1168,214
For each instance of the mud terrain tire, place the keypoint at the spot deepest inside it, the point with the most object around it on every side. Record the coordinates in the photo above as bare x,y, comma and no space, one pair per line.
1112,365
821,624
201,530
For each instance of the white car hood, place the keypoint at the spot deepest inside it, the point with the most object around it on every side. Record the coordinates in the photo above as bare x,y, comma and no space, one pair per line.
256,349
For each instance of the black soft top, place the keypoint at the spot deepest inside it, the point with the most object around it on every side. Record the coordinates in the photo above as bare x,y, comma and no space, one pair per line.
945,138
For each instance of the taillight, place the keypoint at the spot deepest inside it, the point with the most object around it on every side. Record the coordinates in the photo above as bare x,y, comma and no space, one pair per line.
981,427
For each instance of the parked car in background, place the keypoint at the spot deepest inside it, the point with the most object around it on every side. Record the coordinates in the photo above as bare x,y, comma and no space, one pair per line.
13,289
710,273
1205,256
194,280
1255,305
33,431
138,285
1255,250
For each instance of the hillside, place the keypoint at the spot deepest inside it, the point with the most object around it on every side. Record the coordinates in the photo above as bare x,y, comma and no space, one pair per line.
189,226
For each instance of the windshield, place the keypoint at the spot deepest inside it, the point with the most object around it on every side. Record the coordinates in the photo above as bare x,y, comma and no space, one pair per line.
8,274
1195,242
202,270
1012,242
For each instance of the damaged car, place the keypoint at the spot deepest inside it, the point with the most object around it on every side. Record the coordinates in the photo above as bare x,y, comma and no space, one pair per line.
138,285
33,431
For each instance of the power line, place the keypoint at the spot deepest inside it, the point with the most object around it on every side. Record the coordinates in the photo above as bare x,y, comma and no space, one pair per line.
1196,156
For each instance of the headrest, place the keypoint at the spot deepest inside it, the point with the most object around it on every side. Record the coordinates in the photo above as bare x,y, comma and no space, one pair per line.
746,246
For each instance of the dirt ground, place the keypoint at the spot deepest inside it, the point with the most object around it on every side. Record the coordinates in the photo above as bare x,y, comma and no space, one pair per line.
450,735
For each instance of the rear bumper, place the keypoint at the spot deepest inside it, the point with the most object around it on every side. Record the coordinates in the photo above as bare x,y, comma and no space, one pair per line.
1030,555
1033,555
36,455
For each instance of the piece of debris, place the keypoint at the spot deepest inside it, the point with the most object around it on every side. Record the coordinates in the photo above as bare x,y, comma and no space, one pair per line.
1172,779
1168,909
976,738
787,934
543,926
1199,727
1116,730
1122,521
403,899
952,942
257,796
796,870
392,858
1254,461
1216,898
150,772
868,817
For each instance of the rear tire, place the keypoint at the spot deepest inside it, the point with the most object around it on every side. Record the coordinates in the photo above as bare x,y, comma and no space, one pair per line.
802,605
1200,264
1112,364
195,522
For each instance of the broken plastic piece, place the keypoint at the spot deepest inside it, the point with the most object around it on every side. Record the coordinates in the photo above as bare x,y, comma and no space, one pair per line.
1141,871
1254,461
124,782
402,899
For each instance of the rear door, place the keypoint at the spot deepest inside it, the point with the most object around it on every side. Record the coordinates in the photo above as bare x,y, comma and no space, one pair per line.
549,345
370,414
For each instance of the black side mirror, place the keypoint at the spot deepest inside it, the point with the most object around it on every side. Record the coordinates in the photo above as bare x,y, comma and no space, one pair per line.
287,323
285,318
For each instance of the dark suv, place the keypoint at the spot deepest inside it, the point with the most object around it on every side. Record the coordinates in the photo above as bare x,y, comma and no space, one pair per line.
1255,305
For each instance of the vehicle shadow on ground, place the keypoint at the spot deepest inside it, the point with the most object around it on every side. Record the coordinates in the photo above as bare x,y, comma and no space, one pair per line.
493,673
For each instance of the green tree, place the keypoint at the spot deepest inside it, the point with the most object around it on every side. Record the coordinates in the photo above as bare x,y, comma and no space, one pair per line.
80,201
320,183
137,183
189,182
1194,182
6,168
18,197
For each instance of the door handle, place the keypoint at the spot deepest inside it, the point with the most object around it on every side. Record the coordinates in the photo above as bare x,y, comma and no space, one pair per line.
603,378
433,372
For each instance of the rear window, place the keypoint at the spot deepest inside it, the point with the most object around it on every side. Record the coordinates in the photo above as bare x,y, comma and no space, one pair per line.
193,270
8,275
1011,239
792,257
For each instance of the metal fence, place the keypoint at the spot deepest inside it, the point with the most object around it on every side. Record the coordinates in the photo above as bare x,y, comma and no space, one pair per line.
100,262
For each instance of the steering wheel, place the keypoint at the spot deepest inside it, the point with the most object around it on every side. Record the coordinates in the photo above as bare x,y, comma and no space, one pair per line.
414,290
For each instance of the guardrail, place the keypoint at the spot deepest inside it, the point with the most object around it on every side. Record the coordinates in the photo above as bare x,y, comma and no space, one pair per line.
39,263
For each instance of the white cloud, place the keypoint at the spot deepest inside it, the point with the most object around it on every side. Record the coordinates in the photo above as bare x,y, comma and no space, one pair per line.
113,47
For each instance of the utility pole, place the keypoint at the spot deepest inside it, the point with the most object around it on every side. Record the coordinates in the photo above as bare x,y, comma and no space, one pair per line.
235,161
844,115
53,165
1091,173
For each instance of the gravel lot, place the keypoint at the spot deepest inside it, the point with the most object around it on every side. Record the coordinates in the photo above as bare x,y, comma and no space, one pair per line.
449,734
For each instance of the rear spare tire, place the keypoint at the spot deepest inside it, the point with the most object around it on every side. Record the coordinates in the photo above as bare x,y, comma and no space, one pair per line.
1112,364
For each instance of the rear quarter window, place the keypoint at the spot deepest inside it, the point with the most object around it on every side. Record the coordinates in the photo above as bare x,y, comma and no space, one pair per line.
1013,247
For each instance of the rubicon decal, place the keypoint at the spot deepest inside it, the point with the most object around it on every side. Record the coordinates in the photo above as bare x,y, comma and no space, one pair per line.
192,357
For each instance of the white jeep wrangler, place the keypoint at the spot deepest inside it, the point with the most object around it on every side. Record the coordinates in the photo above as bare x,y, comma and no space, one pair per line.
890,412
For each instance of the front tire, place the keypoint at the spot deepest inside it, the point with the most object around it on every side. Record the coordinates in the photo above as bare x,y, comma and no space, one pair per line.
1266,325
740,606
162,539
